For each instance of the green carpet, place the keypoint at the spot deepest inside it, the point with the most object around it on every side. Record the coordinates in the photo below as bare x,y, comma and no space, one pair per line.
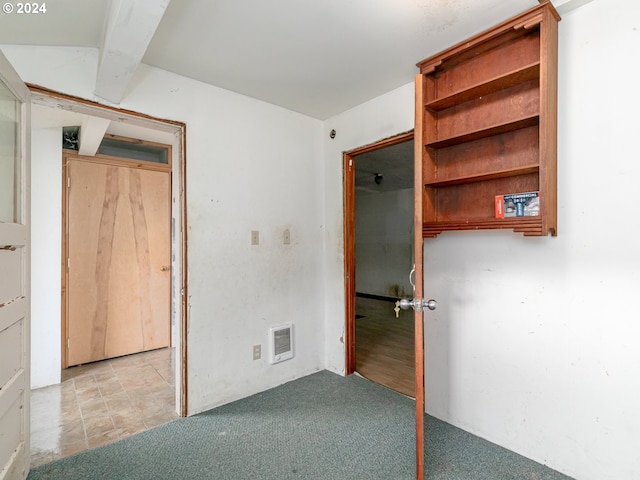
322,426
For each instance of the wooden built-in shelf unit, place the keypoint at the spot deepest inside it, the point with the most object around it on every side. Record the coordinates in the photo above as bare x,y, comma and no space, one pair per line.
486,115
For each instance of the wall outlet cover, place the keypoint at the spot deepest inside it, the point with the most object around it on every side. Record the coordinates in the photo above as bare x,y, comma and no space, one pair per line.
257,352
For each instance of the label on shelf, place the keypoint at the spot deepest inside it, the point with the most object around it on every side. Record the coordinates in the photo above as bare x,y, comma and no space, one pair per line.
526,204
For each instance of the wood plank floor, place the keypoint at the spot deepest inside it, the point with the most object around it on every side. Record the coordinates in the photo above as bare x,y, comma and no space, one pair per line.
384,345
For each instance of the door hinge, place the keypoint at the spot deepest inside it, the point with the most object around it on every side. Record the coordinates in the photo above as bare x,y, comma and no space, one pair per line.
68,182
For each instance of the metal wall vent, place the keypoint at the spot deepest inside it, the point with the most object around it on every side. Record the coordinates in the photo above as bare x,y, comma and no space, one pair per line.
281,343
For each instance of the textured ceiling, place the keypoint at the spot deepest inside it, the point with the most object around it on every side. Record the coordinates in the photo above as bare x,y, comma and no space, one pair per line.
319,58
315,57
394,163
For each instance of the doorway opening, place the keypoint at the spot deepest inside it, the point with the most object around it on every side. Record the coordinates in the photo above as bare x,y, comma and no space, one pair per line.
116,240
47,108
379,216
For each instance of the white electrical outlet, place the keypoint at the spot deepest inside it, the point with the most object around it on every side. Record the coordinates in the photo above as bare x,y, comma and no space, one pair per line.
257,352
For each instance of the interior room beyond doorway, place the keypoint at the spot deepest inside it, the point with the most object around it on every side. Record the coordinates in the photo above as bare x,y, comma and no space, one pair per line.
164,378
382,251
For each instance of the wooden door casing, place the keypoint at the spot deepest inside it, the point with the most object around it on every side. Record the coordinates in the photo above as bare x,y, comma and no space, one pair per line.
118,240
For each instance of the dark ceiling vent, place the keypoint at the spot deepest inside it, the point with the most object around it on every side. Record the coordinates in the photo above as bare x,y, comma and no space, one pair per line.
70,137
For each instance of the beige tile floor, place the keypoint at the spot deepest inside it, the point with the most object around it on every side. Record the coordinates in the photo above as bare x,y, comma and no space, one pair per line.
101,402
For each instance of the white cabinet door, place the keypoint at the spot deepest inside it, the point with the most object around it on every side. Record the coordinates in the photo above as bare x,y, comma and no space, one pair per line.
14,274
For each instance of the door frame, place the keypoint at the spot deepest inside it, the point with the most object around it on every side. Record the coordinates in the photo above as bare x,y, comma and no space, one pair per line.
51,98
348,175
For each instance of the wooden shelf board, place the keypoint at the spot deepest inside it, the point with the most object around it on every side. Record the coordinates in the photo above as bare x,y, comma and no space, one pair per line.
501,82
486,132
480,177
529,226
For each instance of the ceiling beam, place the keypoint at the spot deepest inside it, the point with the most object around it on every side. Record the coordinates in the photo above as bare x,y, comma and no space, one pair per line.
92,132
130,27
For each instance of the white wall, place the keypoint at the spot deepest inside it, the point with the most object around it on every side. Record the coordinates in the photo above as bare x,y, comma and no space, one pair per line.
536,341
379,118
46,225
384,242
250,166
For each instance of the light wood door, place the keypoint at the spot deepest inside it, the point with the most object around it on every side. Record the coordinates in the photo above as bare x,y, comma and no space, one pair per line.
14,274
119,248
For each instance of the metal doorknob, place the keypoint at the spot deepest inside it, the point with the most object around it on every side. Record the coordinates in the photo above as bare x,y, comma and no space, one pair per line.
431,304
164,268
405,303
417,304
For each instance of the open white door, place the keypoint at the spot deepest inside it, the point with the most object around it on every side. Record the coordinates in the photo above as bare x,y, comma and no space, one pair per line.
14,274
